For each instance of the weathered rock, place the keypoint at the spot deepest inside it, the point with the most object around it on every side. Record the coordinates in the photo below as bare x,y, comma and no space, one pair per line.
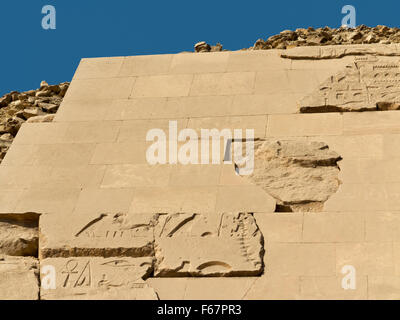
44,118
63,89
202,47
48,107
106,235
43,84
6,137
19,278
91,278
44,93
368,84
217,48
30,93
17,107
5,100
228,244
301,176
19,235
303,53
12,125
327,36
31,112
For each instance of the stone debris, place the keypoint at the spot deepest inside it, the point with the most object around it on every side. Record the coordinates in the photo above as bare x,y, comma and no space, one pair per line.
326,36
32,106
19,278
45,118
92,278
19,235
329,36
205,47
368,84
300,175
197,245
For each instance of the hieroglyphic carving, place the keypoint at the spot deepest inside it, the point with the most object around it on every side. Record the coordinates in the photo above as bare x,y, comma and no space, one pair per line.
228,244
115,226
337,52
368,84
100,278
106,235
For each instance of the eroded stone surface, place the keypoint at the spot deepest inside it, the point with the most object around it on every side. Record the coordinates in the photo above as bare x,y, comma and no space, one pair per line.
336,52
300,175
19,234
99,279
19,278
368,84
105,235
326,36
228,244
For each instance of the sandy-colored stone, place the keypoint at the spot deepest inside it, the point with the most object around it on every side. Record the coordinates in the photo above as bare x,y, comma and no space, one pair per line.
108,88
299,175
19,278
368,84
330,288
162,86
96,68
174,199
208,245
244,197
19,235
336,52
117,278
300,259
294,125
208,84
146,65
103,235
100,201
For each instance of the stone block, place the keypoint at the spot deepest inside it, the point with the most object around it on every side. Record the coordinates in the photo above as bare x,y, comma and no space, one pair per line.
304,125
109,88
146,65
174,199
208,245
89,278
19,278
162,86
211,84
97,235
95,68
199,63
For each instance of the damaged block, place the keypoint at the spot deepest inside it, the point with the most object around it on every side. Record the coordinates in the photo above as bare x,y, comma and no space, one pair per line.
19,234
368,84
19,278
300,175
92,278
219,245
105,235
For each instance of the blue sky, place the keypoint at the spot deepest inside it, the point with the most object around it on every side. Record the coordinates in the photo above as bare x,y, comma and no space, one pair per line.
95,28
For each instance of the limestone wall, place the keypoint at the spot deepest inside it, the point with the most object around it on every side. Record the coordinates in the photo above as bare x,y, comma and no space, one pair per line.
171,227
